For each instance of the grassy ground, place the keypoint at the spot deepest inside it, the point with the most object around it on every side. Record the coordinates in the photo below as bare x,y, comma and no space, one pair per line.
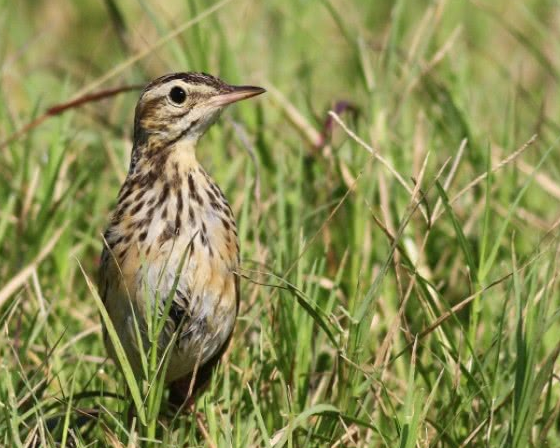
417,242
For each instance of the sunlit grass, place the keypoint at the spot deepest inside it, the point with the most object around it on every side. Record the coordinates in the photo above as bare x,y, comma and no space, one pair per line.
399,257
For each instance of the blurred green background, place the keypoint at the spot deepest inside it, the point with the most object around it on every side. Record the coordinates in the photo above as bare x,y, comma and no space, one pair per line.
419,250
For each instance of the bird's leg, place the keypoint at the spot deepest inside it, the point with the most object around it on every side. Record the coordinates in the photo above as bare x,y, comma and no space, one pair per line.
179,397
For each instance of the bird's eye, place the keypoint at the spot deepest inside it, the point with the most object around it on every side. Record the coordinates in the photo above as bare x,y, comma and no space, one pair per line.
177,95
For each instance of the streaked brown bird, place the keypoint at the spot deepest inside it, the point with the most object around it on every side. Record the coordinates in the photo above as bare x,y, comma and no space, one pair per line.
173,235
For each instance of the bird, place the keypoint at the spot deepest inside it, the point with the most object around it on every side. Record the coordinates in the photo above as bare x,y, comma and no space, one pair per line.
172,237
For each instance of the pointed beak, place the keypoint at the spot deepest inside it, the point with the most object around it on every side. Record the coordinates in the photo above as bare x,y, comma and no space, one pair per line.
236,93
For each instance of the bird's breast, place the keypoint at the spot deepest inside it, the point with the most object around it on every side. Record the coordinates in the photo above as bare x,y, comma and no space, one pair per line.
175,233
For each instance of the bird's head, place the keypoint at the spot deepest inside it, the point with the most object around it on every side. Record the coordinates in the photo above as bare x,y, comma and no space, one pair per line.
182,106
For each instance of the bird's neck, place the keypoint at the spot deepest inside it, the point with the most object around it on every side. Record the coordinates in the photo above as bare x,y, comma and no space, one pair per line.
161,159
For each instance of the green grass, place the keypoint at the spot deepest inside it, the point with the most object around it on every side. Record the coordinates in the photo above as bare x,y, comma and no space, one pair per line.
400,281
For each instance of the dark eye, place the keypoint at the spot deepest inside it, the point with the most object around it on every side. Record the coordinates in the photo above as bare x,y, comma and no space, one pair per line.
177,95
